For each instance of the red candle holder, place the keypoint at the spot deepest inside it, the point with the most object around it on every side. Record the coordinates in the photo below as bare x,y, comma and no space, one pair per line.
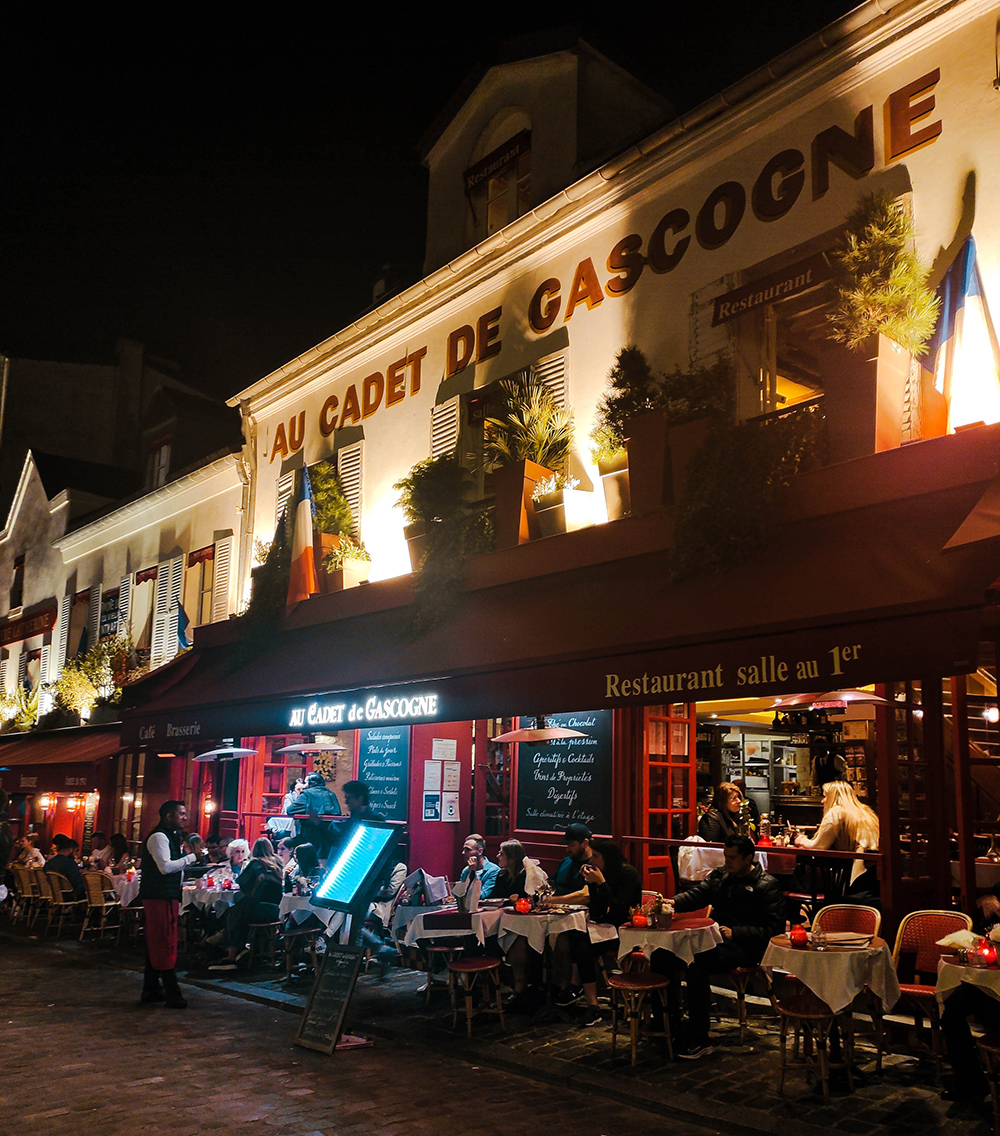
986,953
523,906
640,920
227,885
799,938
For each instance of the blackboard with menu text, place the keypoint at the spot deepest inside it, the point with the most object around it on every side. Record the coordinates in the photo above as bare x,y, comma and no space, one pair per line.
567,781
384,766
323,1018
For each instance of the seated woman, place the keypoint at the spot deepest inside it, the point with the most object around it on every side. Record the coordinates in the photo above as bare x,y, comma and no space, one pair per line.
848,826
512,879
721,819
28,854
258,901
237,854
287,858
614,888
119,858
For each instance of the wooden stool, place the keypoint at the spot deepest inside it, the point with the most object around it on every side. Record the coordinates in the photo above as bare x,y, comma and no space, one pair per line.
815,1018
434,951
289,938
741,976
989,1051
270,932
469,970
634,988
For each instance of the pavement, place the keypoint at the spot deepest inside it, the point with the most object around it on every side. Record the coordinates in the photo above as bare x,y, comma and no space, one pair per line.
73,1006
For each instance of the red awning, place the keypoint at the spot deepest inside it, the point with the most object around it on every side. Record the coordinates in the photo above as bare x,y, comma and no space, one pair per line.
61,747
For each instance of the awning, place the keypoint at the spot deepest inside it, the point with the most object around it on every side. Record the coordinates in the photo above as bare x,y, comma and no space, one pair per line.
70,746
841,599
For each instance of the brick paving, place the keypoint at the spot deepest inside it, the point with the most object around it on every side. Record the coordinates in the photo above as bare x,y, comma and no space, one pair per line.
417,1075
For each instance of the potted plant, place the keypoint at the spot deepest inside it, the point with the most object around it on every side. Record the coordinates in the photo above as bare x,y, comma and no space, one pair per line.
333,520
528,439
559,506
434,492
347,564
885,310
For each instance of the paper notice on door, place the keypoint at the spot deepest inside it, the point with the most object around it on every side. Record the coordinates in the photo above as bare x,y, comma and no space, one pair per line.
432,776
449,807
452,776
444,749
432,806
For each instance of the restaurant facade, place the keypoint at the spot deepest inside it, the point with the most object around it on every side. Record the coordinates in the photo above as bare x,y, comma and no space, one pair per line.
709,244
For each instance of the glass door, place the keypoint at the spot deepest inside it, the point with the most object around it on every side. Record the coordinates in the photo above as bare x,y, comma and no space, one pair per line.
669,785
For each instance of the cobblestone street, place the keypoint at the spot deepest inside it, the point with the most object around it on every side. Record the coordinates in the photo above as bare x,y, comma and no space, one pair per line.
82,1058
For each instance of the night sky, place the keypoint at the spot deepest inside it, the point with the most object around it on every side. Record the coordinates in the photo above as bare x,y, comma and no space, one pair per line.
225,187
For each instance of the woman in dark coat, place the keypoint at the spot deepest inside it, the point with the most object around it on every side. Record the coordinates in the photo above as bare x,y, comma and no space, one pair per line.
260,885
721,819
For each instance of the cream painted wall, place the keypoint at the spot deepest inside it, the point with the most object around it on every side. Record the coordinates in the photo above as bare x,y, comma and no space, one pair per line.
655,314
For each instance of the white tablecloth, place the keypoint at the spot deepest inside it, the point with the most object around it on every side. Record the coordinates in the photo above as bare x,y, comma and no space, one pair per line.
299,907
404,915
952,974
684,942
126,889
837,975
987,873
537,927
215,898
483,924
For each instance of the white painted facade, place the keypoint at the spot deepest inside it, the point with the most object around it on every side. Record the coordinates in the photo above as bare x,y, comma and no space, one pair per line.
948,182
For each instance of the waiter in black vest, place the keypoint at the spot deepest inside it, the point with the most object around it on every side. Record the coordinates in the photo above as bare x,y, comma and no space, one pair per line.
167,852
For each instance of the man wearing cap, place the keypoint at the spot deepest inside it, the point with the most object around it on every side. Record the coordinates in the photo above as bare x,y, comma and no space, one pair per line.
568,882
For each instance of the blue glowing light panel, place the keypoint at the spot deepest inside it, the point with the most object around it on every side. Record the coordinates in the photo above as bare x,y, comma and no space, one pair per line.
365,849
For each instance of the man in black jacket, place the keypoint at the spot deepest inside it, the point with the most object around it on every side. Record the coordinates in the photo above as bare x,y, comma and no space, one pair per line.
309,807
749,907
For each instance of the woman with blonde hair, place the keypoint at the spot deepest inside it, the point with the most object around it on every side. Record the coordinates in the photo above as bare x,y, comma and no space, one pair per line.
258,901
847,826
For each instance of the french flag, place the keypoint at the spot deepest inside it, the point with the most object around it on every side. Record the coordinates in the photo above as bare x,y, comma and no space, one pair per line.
963,352
302,578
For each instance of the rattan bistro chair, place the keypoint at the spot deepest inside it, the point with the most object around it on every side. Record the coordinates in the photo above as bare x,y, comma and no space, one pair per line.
101,900
63,901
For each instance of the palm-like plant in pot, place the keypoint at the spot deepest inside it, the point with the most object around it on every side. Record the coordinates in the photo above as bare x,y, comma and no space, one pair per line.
528,439
434,492
343,560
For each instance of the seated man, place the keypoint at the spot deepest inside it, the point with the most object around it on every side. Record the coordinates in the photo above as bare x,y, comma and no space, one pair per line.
64,862
309,808
749,907
100,852
477,866
568,883
216,850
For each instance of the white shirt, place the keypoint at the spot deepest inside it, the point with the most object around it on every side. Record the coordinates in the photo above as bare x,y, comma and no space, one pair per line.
101,856
159,849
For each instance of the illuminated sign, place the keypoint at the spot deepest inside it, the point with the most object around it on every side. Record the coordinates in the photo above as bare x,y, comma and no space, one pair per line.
398,708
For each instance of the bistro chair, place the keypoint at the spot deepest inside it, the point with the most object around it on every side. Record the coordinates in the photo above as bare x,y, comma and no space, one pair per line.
63,901
101,899
915,957
849,917
468,971
814,1019
41,892
293,940
264,943
742,976
633,988
26,894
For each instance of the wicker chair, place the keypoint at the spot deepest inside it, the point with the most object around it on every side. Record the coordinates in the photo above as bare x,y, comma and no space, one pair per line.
26,894
849,917
63,901
916,955
42,893
101,899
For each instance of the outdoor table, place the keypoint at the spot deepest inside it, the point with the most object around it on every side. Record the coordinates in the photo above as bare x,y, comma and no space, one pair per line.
299,907
213,898
685,938
952,973
482,923
405,914
126,889
840,971
541,926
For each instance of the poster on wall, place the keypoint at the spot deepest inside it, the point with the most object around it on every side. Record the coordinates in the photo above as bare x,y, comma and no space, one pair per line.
567,781
384,766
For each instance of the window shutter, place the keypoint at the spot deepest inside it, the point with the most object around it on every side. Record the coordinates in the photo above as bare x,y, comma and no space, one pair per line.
3,672
551,373
62,631
94,617
286,487
22,665
709,345
444,427
349,470
124,604
46,698
220,579
161,613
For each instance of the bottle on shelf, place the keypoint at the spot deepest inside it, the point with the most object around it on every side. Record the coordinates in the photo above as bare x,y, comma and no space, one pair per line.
764,836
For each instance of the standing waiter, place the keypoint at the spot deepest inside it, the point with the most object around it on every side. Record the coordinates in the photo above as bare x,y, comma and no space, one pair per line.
163,860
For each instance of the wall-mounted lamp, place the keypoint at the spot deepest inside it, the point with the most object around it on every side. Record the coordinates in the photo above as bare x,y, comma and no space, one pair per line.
992,714
45,802
210,806
128,798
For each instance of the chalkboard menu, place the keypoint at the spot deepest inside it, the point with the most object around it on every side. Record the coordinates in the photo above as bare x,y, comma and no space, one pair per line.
327,1006
568,780
384,766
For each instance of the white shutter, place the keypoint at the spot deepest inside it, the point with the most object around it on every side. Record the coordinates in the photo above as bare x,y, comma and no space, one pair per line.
161,613
61,639
551,373
444,427
47,672
46,698
349,471
94,617
3,672
220,579
22,665
286,487
124,604
710,345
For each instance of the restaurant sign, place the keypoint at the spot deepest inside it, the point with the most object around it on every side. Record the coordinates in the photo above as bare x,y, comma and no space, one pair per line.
41,623
351,712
